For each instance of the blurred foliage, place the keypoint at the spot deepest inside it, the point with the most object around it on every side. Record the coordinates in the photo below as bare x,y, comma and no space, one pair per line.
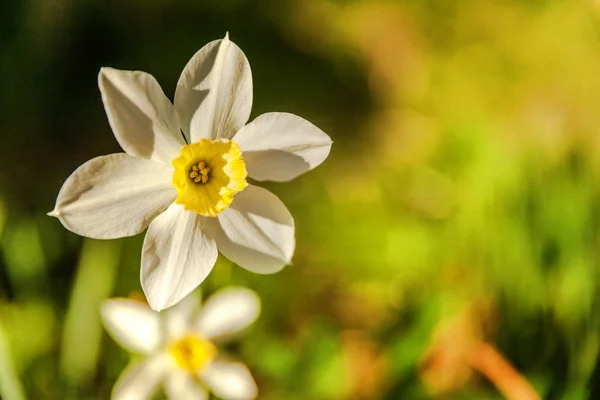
463,177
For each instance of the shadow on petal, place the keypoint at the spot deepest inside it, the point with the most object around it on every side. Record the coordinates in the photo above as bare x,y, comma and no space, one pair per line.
251,201
246,257
274,165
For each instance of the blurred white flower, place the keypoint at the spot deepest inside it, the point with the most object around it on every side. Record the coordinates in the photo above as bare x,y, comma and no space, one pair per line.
178,348
183,173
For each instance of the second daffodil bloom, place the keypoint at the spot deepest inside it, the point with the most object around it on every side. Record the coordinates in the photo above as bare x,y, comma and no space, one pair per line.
178,347
184,173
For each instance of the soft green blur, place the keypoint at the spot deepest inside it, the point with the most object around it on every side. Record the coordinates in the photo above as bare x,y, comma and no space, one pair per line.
464,175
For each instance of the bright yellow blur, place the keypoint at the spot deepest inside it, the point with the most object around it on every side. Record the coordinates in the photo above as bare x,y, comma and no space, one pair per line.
192,353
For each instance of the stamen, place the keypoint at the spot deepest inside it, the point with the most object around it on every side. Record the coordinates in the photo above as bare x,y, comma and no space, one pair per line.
199,172
208,174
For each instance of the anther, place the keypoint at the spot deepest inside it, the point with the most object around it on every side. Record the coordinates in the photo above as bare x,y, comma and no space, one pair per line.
199,172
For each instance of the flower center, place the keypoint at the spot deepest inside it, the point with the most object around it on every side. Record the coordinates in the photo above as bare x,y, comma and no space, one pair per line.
199,172
192,353
208,174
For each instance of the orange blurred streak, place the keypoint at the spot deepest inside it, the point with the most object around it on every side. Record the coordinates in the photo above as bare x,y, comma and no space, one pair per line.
509,382
458,349
364,365
446,366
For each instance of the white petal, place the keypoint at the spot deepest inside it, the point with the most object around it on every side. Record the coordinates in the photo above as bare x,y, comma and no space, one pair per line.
230,381
255,232
179,318
177,256
140,379
227,312
181,386
132,324
142,118
214,93
281,146
114,196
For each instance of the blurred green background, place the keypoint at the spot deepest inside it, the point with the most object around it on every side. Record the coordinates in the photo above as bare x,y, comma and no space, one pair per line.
462,191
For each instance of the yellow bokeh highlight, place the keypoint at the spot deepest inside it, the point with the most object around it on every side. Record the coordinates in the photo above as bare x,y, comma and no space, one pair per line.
209,189
193,353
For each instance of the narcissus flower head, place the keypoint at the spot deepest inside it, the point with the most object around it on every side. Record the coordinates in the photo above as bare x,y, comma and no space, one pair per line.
179,348
184,173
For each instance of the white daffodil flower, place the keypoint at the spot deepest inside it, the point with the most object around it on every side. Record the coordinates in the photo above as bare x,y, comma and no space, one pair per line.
178,347
183,173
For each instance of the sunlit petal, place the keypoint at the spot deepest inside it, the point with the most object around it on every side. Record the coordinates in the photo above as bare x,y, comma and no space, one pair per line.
230,381
180,385
142,118
281,146
132,324
176,257
179,318
214,93
227,312
114,196
256,231
140,379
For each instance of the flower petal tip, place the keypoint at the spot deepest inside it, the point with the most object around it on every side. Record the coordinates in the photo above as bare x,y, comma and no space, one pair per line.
107,74
159,306
158,309
53,213
103,72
